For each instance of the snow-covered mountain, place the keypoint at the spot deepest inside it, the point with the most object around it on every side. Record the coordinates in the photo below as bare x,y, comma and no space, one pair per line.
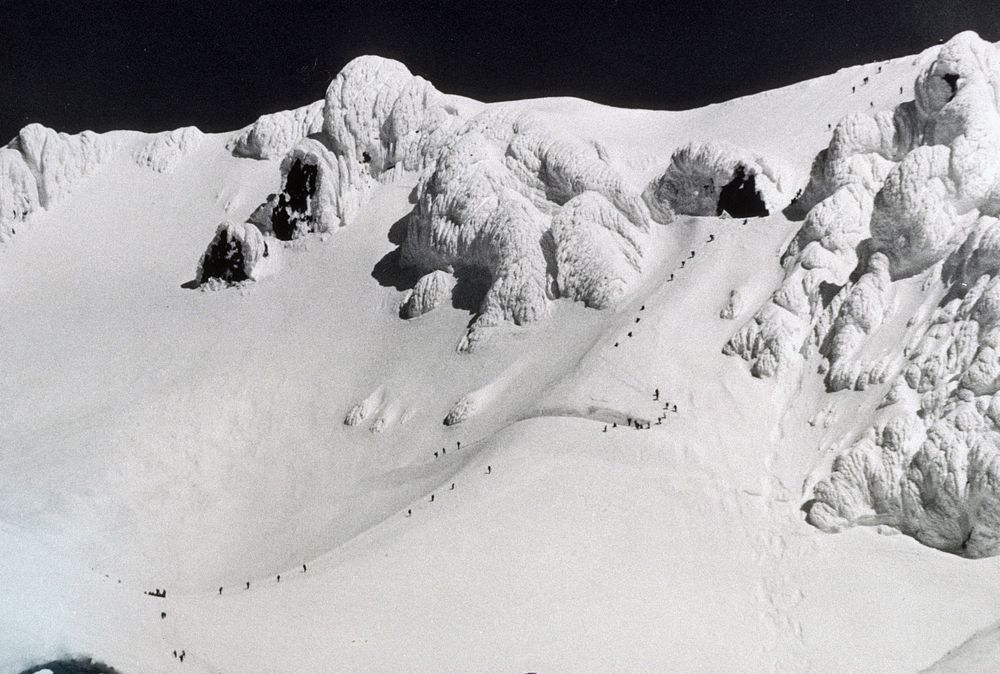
400,380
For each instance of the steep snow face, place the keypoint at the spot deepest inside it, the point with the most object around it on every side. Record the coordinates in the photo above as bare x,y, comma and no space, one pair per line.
709,178
18,191
59,161
899,243
271,136
530,213
167,149
238,252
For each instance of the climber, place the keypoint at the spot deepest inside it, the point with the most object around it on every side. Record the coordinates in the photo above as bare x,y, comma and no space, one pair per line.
452,487
642,308
443,451
279,577
880,69
248,584
432,498
683,262
852,90
745,220
616,344
220,591
630,333
408,512
866,80
711,238
629,420
175,652
675,407
671,277
435,455
901,90
605,428
656,394
303,568
691,255
458,445
636,319
181,656
614,424
489,469
871,104
163,614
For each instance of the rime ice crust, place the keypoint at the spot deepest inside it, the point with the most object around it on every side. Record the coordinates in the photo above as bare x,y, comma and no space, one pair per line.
168,149
237,253
271,136
532,213
18,191
695,180
904,204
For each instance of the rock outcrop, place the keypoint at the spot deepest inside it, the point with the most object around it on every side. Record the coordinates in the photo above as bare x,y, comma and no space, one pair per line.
238,252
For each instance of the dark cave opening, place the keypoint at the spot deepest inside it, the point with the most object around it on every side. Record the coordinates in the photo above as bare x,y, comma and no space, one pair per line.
224,261
293,203
740,198
952,80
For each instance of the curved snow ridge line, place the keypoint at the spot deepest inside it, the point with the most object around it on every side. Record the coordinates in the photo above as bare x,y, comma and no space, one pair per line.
167,149
41,166
896,195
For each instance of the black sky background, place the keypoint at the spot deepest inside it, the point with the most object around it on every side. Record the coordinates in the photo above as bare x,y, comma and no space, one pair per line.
219,64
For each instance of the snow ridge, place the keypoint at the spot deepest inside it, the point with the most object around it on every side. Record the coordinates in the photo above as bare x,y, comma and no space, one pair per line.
271,136
167,149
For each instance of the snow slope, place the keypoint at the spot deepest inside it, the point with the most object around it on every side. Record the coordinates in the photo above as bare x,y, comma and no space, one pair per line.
158,434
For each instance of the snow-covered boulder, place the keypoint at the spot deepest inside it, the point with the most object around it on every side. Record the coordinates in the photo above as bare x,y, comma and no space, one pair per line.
712,178
238,252
18,191
273,135
59,161
167,149
431,291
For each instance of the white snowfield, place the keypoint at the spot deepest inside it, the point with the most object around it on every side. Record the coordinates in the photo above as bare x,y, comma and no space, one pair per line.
322,481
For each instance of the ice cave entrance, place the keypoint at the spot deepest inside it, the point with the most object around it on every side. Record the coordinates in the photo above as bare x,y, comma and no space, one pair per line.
224,261
740,198
294,202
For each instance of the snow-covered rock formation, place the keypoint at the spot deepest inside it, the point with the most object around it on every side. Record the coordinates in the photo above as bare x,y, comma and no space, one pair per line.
238,252
902,212
908,184
531,213
167,149
431,291
58,160
712,178
271,136
18,192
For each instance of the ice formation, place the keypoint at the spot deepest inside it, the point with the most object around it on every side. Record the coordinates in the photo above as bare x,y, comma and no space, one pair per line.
271,136
505,202
238,252
902,210
712,178
167,149
18,191
59,161
530,214
40,167
431,291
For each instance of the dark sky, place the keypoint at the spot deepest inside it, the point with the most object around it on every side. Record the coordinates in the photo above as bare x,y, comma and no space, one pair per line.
154,65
